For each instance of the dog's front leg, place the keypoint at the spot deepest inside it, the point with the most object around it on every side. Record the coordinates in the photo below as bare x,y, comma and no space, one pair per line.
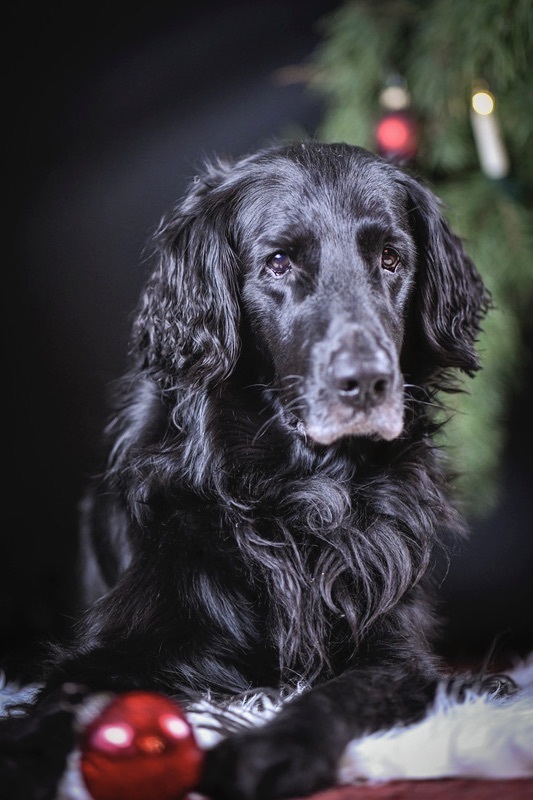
298,752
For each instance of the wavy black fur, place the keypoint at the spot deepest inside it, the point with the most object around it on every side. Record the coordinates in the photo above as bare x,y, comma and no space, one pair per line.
273,496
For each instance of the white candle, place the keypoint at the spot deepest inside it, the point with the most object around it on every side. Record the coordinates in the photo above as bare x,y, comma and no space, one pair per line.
490,147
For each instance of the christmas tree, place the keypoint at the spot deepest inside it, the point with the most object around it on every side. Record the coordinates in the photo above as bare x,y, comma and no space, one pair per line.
445,87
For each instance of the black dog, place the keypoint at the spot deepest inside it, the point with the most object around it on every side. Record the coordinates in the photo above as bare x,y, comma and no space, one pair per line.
273,496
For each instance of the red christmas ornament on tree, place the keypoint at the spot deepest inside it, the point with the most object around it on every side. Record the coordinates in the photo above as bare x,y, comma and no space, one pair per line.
396,132
397,136
140,747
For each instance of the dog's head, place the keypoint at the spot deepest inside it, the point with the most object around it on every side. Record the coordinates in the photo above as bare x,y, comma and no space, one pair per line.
335,269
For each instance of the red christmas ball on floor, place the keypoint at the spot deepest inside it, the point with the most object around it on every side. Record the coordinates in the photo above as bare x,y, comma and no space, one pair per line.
140,747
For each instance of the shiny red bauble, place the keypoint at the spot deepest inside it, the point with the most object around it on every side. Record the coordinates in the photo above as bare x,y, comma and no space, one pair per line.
140,747
397,135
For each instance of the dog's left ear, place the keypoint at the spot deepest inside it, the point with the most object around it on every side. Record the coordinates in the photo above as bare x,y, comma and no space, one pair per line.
450,295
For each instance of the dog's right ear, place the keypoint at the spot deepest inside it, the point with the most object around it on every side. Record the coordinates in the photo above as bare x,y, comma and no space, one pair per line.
188,318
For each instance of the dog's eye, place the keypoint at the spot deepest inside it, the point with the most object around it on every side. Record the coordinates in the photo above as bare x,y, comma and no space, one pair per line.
279,263
390,259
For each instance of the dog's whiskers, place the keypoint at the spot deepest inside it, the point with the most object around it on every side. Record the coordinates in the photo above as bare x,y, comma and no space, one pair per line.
294,405
292,380
263,428
420,401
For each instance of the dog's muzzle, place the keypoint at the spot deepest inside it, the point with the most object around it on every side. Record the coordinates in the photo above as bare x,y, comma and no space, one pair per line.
355,387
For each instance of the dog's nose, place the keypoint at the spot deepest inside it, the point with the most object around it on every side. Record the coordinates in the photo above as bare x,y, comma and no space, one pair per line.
360,383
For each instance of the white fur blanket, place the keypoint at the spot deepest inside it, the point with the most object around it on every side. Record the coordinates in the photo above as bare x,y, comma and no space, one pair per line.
480,737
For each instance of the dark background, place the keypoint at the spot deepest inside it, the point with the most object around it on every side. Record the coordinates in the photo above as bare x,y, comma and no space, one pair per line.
110,112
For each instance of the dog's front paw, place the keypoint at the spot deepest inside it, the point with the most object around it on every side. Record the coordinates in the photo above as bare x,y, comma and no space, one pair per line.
266,764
